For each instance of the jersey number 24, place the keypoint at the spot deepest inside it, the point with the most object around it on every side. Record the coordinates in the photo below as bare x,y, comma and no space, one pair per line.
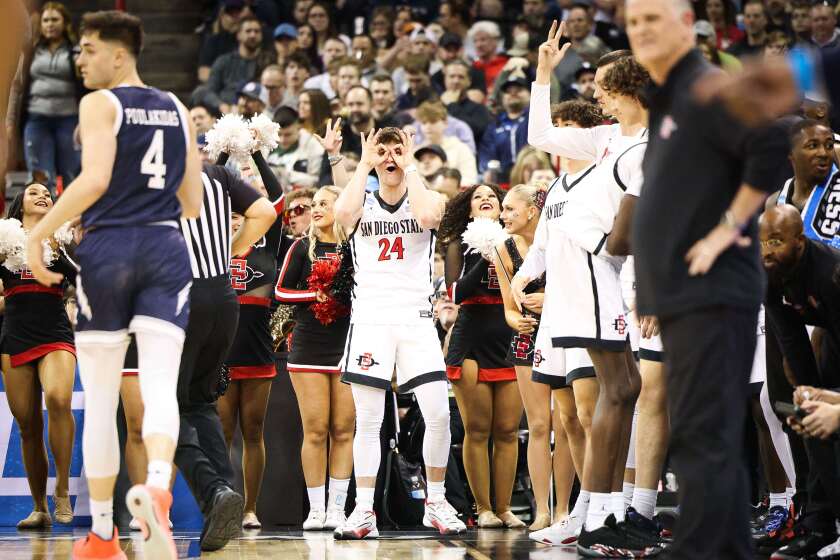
386,249
152,163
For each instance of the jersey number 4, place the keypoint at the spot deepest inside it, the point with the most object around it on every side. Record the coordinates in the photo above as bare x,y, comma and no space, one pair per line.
152,163
386,249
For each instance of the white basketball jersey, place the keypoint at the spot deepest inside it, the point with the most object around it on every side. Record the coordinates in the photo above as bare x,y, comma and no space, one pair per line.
394,262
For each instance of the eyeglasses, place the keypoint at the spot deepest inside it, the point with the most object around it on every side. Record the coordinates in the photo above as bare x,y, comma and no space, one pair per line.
296,212
772,243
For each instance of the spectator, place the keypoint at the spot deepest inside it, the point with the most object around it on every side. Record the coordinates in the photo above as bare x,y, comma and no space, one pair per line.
485,38
384,97
306,44
314,110
454,127
203,118
402,18
300,11
755,25
705,33
222,37
232,69
610,31
586,47
448,182
349,75
285,42
711,54
528,161
522,61
778,18
274,83
454,17
451,47
800,23
721,14
252,100
824,30
422,43
584,84
360,119
458,104
778,43
430,162
432,117
364,50
52,99
509,134
535,17
296,73
297,159
320,18
334,48
419,83
380,27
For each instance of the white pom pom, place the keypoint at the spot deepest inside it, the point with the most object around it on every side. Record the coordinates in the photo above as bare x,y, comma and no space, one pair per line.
230,134
265,134
64,234
483,234
12,241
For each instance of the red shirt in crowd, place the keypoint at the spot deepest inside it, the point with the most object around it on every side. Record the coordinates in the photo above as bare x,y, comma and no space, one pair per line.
491,69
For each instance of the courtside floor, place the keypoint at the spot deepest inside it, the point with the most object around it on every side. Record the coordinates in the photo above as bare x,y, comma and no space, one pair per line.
484,544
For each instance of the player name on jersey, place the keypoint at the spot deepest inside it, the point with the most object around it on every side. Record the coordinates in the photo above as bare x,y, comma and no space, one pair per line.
154,117
380,227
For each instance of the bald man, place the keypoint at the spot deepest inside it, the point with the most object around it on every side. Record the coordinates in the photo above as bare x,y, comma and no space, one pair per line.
804,289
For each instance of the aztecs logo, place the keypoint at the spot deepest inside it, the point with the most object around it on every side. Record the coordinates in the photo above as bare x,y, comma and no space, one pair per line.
26,274
538,358
491,279
241,274
523,345
620,324
365,361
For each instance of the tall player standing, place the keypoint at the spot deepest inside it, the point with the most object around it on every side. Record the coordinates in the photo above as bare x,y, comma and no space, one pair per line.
392,244
140,173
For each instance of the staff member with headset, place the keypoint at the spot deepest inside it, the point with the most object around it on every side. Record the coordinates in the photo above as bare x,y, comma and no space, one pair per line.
201,455
698,272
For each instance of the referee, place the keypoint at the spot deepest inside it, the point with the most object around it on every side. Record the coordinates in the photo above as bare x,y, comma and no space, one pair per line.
214,312
698,271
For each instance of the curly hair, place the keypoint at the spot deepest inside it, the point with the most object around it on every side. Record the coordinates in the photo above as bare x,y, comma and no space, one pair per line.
627,77
580,112
457,214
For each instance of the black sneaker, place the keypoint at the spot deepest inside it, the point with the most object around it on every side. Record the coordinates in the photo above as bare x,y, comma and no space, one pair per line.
644,528
805,544
224,519
614,540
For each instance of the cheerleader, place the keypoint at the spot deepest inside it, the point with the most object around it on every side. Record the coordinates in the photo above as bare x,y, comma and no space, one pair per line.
476,361
251,357
316,346
36,344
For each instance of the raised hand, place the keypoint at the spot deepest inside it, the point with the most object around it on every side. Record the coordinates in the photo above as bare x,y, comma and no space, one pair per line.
332,140
550,52
403,155
373,153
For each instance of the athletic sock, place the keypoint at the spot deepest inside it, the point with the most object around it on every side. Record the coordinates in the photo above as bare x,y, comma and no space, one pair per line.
617,505
581,505
599,510
364,497
644,501
158,474
316,497
791,492
338,492
779,500
436,490
627,489
102,518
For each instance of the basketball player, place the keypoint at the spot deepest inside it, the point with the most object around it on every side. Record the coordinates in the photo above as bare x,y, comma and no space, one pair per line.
594,316
392,244
140,173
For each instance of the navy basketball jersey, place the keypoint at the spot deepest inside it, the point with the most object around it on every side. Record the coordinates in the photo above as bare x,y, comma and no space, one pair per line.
152,133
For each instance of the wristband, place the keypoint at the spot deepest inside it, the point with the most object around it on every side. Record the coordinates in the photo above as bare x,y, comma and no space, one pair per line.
410,169
335,160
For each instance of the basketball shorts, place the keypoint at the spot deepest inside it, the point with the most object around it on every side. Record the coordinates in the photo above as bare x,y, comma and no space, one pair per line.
130,367
133,278
758,375
591,312
372,351
558,367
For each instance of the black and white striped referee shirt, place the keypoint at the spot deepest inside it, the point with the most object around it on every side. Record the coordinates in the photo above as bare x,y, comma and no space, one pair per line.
208,237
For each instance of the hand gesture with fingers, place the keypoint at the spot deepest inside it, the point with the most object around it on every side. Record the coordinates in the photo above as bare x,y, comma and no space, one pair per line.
373,153
332,140
403,155
550,52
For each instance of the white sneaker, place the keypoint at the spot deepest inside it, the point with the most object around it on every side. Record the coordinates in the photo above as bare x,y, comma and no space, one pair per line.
335,518
443,517
315,520
830,551
563,533
360,525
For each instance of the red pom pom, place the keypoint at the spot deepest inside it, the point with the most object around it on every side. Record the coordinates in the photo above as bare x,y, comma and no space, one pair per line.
320,280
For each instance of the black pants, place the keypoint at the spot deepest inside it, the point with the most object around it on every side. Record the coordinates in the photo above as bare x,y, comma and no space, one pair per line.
202,455
709,354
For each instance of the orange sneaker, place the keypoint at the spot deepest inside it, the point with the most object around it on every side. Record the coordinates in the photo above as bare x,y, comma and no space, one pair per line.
150,506
93,547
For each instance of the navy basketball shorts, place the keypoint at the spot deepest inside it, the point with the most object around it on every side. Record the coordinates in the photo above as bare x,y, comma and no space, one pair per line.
133,278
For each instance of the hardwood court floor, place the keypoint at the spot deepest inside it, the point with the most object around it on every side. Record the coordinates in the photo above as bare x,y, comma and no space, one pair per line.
482,544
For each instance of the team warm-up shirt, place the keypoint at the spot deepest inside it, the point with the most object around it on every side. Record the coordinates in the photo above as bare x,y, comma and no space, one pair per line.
587,212
152,133
394,261
821,213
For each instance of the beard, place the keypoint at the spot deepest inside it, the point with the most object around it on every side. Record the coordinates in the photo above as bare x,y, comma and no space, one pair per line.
358,117
515,106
